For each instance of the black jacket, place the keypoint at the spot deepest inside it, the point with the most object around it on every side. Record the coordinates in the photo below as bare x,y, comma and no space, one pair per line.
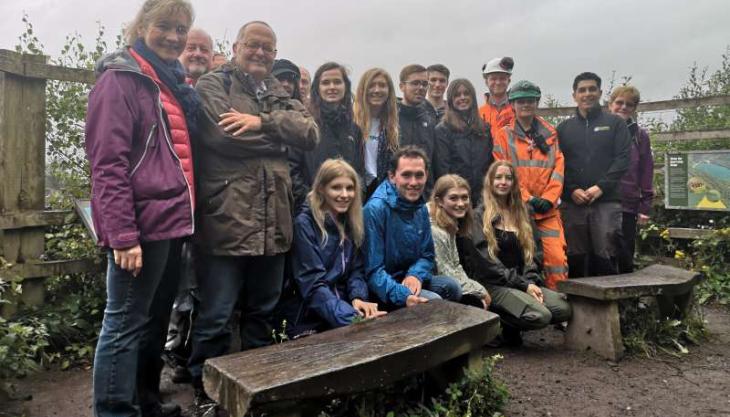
417,128
339,138
474,257
468,154
597,152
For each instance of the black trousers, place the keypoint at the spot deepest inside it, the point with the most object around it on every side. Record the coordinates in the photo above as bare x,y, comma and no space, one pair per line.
628,243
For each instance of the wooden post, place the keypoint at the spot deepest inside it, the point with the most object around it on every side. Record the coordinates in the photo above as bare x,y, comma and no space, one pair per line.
22,162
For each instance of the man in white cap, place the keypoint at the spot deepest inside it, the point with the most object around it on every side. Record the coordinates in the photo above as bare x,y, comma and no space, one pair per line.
497,111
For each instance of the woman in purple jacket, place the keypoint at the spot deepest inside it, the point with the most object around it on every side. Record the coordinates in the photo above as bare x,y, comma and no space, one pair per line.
139,116
637,185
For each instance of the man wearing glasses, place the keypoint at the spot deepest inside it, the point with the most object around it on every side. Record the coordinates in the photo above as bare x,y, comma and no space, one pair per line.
596,147
245,223
414,118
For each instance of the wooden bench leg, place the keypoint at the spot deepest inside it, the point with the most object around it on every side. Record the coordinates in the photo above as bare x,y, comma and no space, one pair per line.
595,326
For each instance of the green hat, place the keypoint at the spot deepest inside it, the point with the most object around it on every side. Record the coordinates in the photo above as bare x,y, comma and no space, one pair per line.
524,89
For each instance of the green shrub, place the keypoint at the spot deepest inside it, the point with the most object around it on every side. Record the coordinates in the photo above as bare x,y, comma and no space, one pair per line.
478,393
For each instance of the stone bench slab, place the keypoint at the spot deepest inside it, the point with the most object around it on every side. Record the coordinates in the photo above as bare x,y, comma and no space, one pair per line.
596,325
652,280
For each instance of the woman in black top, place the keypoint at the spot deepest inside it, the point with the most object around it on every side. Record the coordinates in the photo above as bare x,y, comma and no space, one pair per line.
331,106
463,139
503,254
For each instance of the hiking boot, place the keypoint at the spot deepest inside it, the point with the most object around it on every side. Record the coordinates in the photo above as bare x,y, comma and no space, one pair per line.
204,406
181,375
162,410
511,337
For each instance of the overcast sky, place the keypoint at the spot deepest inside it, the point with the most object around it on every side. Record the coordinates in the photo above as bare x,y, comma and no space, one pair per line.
654,41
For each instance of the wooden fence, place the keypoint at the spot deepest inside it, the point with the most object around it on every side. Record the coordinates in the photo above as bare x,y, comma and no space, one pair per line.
23,217
23,214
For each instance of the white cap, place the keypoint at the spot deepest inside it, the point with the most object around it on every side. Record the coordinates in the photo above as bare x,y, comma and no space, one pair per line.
502,64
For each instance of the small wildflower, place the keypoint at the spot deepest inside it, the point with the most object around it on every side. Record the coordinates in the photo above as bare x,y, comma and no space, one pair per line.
679,255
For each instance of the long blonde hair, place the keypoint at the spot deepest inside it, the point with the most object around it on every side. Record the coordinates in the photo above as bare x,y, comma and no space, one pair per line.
328,172
443,185
515,206
388,116
152,10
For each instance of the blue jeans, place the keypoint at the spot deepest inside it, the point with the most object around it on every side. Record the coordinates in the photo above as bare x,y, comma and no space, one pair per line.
258,279
440,287
128,363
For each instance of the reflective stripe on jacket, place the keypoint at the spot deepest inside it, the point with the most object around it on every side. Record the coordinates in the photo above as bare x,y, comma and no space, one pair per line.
539,174
497,117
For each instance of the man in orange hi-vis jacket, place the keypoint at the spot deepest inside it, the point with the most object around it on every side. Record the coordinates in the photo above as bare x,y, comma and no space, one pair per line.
531,144
497,110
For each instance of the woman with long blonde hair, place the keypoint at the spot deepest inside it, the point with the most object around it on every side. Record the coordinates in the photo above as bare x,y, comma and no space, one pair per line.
329,288
503,254
376,113
451,215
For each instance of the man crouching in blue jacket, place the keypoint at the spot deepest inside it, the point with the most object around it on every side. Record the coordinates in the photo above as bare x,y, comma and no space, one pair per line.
399,246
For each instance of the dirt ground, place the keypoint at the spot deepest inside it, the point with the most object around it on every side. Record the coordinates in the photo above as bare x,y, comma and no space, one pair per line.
543,380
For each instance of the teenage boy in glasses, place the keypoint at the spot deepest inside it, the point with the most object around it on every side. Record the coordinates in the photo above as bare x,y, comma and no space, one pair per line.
415,121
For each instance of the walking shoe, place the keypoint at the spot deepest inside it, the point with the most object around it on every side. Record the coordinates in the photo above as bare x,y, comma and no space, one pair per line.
181,375
162,410
204,406
511,336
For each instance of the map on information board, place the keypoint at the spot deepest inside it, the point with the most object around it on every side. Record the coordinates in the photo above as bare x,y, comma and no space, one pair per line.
697,180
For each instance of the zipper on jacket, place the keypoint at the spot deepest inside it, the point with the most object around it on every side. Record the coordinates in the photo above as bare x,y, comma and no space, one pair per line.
144,153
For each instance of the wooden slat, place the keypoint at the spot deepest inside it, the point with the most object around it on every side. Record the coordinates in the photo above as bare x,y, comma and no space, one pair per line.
54,72
35,219
21,271
691,135
28,66
684,233
690,234
719,100
354,358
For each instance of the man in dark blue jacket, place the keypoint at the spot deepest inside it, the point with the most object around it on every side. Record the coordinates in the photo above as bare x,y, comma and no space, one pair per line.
399,246
596,147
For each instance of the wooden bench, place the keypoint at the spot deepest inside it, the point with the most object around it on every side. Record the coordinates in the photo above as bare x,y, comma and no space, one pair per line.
359,357
596,324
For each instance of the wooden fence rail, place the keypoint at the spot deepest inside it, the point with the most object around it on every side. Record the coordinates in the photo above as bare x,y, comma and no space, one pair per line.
648,106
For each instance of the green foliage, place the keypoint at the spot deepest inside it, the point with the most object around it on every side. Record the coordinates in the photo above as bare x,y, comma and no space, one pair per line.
711,255
64,329
478,393
645,331
21,345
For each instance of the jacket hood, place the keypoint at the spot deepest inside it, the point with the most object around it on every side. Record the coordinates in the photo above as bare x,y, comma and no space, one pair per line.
387,192
119,59
411,112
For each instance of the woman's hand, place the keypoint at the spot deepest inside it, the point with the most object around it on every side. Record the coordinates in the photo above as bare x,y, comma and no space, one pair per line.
535,291
413,284
368,310
486,300
129,259
244,122
642,219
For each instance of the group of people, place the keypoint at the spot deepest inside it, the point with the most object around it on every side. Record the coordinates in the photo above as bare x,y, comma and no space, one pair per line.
298,201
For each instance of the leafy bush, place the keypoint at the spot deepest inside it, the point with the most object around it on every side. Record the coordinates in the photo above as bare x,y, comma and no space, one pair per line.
478,393
645,331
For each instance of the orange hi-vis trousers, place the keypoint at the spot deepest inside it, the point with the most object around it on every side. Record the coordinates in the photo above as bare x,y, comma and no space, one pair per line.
555,260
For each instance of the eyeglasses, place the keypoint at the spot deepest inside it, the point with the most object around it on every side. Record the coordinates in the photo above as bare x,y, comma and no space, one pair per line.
417,83
621,103
253,47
